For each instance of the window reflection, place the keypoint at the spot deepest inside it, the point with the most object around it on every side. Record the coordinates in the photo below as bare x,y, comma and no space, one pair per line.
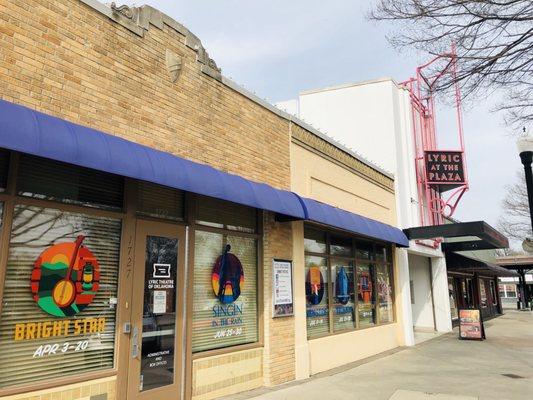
316,292
342,278
314,241
159,316
366,306
384,283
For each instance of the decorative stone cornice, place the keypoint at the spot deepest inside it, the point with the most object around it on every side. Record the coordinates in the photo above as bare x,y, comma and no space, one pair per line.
126,11
140,19
322,147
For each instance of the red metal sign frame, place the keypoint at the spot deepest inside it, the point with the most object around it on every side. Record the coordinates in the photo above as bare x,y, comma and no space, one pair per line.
433,206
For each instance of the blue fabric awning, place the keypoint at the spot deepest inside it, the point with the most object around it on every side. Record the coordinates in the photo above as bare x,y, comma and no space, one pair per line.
29,131
333,216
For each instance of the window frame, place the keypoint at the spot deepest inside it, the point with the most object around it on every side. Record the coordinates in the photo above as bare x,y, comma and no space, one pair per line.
353,258
16,190
191,210
493,293
11,199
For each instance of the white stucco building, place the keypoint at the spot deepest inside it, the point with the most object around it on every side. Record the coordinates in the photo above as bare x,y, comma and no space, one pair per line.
375,119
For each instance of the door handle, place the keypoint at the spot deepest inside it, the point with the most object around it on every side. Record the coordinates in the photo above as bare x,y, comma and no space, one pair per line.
135,343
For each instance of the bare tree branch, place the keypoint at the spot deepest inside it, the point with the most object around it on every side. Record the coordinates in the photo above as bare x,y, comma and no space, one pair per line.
493,39
515,222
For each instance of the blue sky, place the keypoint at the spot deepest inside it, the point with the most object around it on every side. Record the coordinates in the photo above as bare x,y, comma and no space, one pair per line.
279,48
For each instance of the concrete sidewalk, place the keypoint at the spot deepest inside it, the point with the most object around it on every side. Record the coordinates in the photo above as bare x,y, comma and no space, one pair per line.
500,367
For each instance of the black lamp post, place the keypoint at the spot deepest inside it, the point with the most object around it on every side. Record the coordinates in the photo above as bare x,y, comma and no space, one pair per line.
525,148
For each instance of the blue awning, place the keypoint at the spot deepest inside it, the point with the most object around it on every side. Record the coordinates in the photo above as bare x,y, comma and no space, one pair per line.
29,131
333,216
32,132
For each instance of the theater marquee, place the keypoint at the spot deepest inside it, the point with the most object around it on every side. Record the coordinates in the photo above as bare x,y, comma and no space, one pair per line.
445,169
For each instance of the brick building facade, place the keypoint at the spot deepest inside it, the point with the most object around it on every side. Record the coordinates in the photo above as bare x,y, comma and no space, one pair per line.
137,74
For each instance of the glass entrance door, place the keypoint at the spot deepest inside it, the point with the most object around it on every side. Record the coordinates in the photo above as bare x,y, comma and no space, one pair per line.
157,312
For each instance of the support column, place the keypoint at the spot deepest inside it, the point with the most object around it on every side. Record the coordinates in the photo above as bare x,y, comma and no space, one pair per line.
441,297
523,292
404,296
300,322
278,360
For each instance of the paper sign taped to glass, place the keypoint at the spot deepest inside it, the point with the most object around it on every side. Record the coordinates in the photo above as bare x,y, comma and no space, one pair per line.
282,288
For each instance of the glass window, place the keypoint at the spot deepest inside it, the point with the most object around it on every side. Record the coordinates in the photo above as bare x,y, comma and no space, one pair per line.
52,180
342,297
60,292
341,246
364,251
383,253
493,293
225,215
501,289
314,241
384,282
225,291
453,298
342,281
159,314
4,166
468,292
160,201
511,290
366,301
316,292
482,293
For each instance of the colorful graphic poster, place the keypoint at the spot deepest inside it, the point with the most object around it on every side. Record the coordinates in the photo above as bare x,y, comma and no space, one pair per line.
282,288
227,277
471,325
65,278
314,285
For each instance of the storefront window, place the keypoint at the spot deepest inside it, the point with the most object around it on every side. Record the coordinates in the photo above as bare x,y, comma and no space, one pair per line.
510,291
493,293
385,303
348,287
483,293
383,253
366,302
501,289
453,298
317,293
341,246
160,201
315,241
364,251
342,281
225,291
468,292
60,293
225,215
52,180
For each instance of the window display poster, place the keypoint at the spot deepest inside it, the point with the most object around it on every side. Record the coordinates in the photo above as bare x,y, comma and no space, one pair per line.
471,325
282,288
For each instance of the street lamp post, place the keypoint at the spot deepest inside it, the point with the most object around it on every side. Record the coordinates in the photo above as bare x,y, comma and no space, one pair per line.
525,148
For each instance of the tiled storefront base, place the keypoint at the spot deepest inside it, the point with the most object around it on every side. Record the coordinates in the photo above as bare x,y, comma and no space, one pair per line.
99,389
227,374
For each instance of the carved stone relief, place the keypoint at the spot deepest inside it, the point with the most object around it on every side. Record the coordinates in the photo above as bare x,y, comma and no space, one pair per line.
174,65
